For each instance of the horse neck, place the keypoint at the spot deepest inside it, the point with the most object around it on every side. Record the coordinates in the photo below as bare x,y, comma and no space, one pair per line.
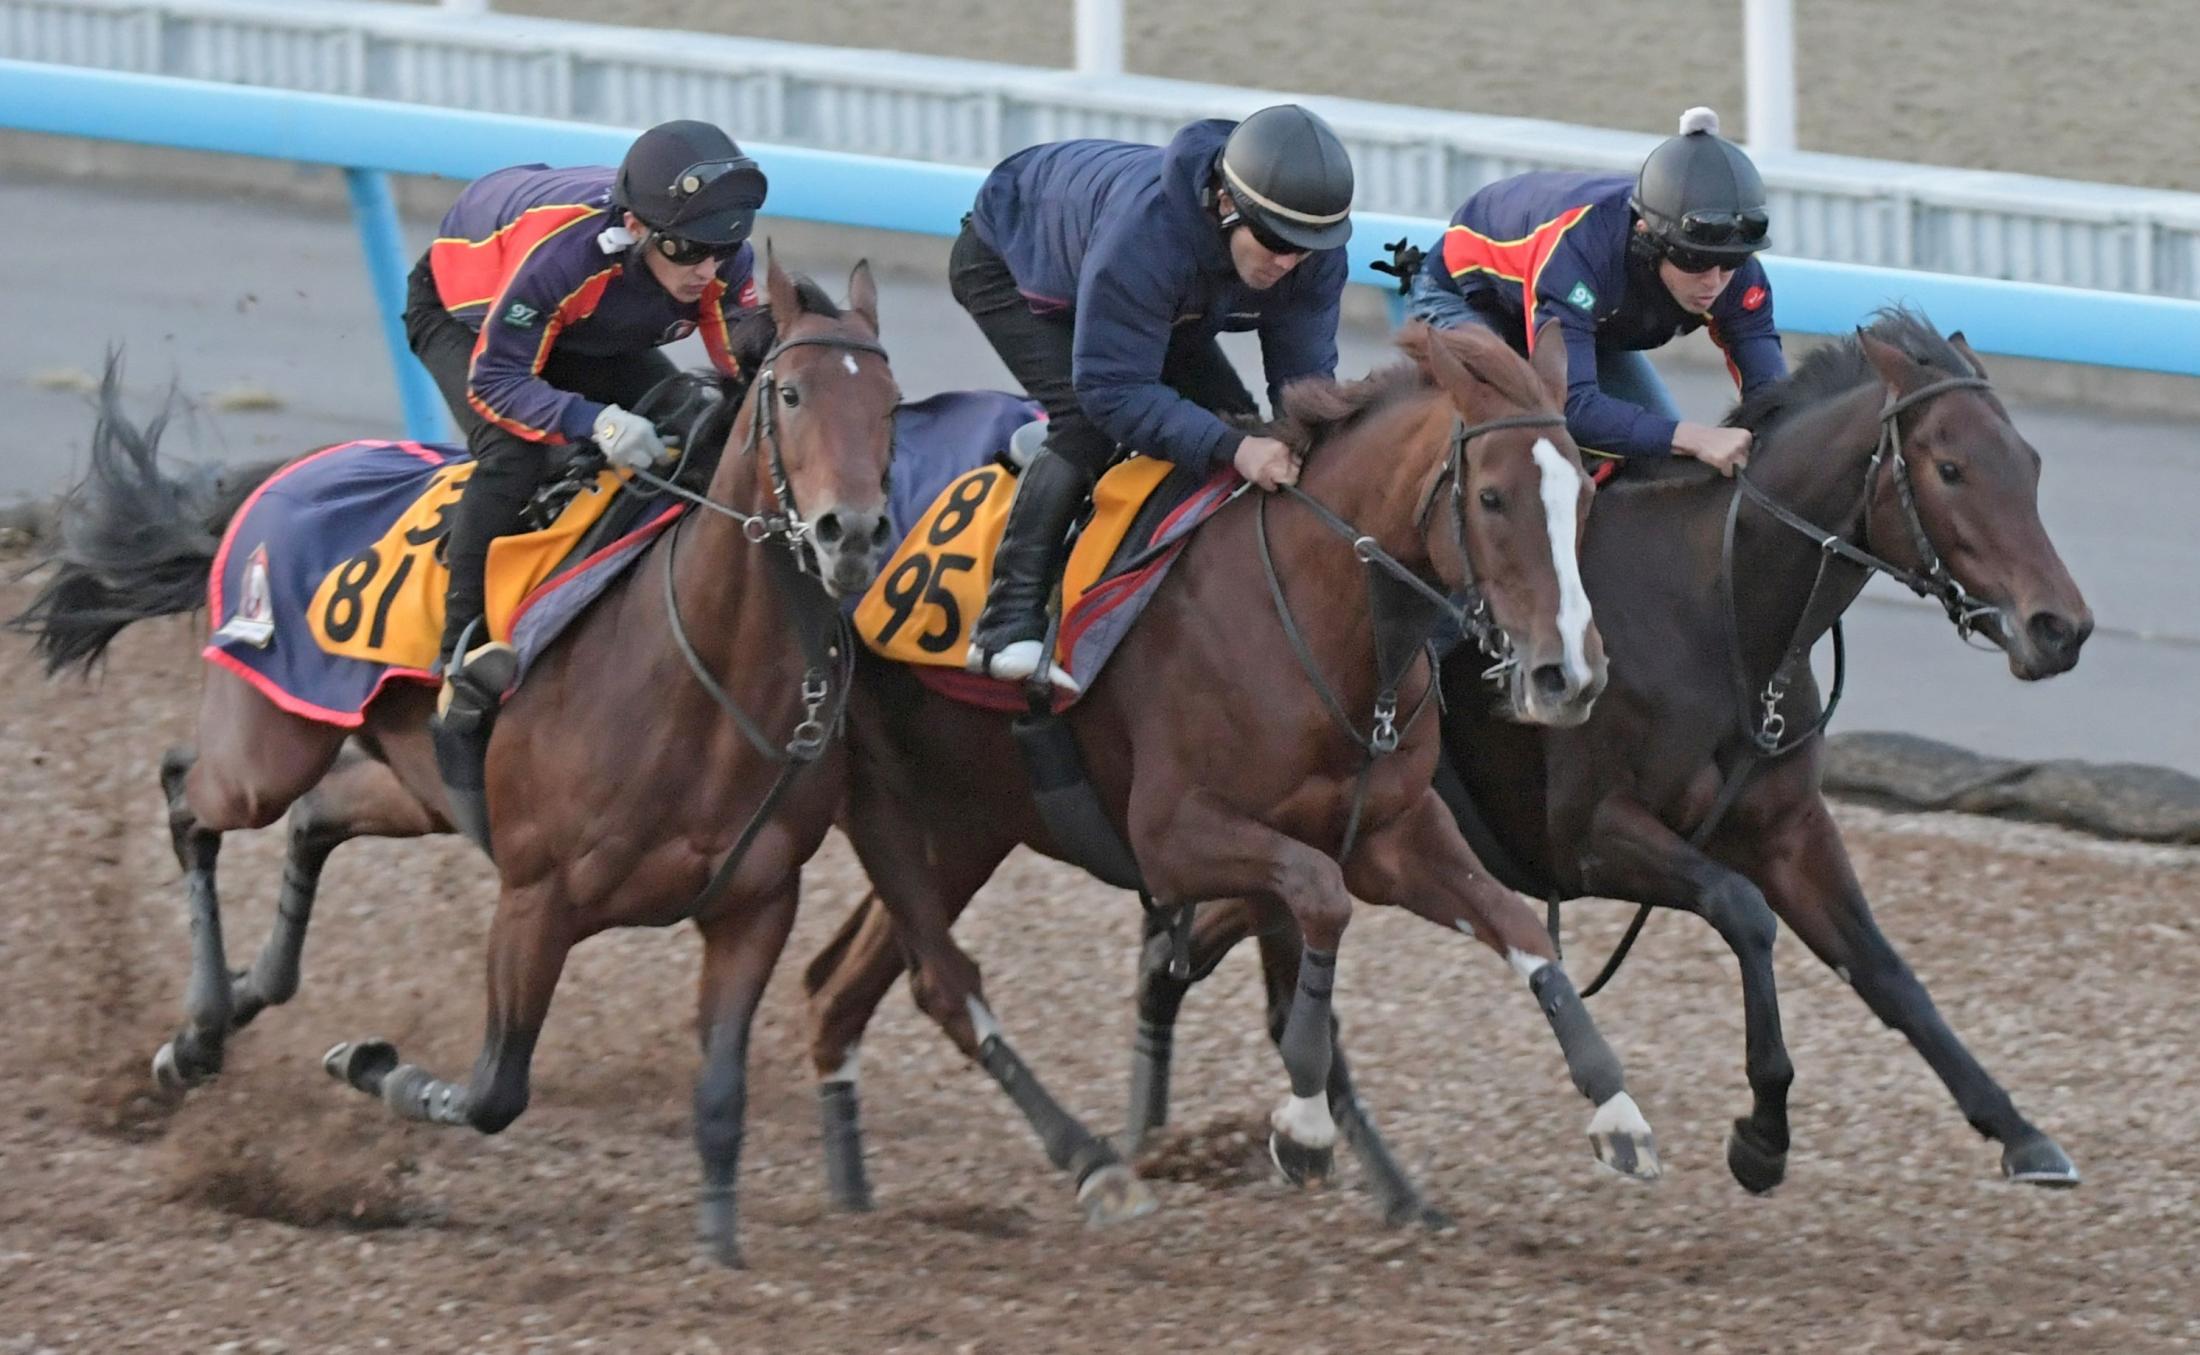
728,600
1371,472
1815,464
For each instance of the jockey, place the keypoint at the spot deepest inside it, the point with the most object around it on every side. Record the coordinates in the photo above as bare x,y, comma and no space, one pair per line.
1101,272
539,310
1624,265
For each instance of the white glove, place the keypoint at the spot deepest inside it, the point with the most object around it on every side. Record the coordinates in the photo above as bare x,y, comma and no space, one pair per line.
627,440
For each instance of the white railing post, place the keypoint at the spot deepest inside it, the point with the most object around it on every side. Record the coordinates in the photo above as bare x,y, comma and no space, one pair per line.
1099,37
466,6
1768,50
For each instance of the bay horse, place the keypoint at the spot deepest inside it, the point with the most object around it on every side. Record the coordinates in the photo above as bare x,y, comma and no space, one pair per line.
1224,740
1886,451
631,778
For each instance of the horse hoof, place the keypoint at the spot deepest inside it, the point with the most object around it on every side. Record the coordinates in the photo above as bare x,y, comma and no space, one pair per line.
1413,1211
726,1252
2038,1162
1300,1165
168,1074
1757,1168
1114,1194
1622,1140
362,1064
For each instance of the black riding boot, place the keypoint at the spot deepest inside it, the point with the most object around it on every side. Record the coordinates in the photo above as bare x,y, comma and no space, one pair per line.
1048,496
494,497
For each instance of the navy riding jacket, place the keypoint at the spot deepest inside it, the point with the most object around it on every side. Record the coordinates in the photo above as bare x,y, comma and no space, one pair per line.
1122,238
1555,243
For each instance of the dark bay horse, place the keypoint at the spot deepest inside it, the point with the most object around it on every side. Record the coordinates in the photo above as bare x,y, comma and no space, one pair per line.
643,775
1616,807
1224,741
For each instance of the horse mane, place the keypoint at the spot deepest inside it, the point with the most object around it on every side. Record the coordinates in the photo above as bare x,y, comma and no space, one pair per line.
1314,407
753,336
1840,368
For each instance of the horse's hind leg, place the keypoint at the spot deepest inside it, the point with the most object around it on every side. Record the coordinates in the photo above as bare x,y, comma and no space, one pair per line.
528,941
254,761
924,880
1217,928
845,983
359,797
741,945
1419,862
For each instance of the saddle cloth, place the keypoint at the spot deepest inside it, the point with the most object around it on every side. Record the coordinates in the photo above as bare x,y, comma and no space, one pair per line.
920,610
330,582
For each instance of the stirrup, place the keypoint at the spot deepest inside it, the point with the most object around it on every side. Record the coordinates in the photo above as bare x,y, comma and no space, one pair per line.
474,687
1018,661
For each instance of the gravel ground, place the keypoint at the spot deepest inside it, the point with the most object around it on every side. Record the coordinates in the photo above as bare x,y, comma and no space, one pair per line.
276,1211
2101,90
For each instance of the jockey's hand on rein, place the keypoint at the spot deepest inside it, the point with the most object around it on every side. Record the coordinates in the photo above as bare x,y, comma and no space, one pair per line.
1266,462
628,440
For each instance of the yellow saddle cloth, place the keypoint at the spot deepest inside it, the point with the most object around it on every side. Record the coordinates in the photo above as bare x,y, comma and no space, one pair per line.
385,603
921,607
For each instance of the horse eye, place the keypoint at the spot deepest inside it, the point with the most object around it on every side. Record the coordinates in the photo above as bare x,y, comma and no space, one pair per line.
1492,500
1950,472
790,396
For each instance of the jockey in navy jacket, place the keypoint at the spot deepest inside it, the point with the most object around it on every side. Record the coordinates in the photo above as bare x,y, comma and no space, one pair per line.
1554,244
1122,237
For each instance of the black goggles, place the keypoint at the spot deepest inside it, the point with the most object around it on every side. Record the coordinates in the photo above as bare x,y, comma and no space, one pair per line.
688,252
1718,230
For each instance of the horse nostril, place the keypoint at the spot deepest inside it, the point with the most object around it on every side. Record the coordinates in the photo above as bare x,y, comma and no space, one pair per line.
827,529
2051,632
1549,680
882,531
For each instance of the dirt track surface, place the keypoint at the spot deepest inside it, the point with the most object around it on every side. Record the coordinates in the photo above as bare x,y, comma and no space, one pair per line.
277,1211
2100,90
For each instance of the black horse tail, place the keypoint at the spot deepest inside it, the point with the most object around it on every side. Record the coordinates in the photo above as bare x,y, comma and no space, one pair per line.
130,542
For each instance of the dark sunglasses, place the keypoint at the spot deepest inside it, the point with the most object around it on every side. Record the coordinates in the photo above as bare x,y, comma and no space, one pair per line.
688,252
1274,244
1717,229
1689,261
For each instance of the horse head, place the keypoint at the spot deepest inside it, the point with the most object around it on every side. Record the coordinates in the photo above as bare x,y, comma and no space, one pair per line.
817,433
1503,518
1955,497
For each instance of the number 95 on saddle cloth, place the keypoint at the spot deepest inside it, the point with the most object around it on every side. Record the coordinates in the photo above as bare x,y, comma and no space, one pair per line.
921,608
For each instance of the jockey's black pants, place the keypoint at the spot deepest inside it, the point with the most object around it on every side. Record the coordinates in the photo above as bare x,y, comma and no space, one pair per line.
508,468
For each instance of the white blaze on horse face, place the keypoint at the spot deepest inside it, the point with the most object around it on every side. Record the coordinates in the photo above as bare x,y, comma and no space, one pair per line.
1561,495
848,360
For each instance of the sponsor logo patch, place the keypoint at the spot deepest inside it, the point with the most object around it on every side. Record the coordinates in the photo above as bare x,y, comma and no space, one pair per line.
678,330
1581,297
254,620
521,315
1755,298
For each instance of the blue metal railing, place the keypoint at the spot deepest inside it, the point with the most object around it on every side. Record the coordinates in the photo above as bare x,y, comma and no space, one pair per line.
370,139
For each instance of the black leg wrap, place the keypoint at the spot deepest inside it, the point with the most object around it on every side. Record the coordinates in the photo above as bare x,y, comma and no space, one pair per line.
1594,1066
1069,1146
1306,1031
845,1180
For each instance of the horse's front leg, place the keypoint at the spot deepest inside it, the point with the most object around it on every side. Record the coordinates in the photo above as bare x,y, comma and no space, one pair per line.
1633,855
1807,879
1418,861
1199,847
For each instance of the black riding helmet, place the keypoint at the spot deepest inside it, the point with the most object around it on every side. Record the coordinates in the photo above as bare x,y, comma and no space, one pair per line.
1290,177
687,181
1700,197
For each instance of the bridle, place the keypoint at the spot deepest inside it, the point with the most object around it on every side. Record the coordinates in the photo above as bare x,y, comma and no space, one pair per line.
1402,624
820,624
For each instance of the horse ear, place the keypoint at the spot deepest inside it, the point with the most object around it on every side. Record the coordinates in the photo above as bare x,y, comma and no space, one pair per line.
1898,369
1550,361
786,305
1451,375
863,293
1957,342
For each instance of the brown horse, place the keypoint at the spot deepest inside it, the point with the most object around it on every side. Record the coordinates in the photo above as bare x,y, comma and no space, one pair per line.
1224,741
631,780
1890,445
